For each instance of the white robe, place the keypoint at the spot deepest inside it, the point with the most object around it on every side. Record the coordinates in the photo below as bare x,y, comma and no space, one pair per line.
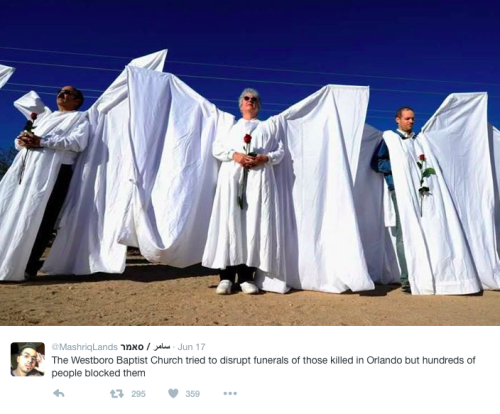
22,205
5,73
251,235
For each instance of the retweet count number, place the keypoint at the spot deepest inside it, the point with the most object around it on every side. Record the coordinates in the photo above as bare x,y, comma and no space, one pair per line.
138,393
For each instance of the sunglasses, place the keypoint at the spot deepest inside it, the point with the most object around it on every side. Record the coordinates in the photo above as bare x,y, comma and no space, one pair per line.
252,99
64,92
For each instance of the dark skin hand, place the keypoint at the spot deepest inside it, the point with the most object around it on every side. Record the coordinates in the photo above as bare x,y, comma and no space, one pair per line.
28,140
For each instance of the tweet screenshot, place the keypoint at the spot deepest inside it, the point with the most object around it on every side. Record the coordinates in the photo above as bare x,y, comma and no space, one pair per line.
287,206
311,369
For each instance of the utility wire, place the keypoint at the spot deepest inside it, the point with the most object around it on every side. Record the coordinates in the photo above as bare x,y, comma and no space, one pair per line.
286,105
60,66
263,68
52,87
235,79
41,93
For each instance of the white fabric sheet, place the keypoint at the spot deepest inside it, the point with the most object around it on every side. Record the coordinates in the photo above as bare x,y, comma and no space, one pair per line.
369,202
322,137
170,197
22,205
93,214
457,135
5,73
494,141
32,103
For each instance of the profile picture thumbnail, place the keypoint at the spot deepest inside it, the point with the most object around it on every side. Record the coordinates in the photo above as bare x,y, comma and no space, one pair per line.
27,359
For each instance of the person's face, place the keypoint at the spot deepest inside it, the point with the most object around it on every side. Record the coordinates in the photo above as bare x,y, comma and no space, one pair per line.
406,121
27,360
249,103
66,98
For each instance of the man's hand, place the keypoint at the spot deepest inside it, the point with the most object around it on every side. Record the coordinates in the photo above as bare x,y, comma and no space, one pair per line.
29,139
261,159
40,359
21,143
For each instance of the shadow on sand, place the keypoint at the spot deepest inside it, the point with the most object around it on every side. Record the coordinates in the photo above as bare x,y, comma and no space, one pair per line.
137,270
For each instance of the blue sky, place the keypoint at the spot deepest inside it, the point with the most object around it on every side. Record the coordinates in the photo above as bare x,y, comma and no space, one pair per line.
428,48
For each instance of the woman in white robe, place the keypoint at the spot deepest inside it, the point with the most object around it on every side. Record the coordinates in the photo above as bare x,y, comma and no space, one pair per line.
242,239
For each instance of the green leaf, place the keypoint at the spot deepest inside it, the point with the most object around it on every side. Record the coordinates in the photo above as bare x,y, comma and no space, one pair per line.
419,165
428,172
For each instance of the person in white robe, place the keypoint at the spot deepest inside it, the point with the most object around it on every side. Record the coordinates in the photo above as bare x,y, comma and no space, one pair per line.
32,192
405,118
244,226
437,191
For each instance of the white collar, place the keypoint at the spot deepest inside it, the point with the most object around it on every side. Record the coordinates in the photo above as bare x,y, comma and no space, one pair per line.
405,134
249,120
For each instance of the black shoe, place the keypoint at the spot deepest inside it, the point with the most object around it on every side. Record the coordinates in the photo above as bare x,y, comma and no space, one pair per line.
405,287
29,276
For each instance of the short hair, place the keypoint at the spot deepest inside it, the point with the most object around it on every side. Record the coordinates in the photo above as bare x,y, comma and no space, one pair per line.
254,93
28,345
399,112
78,95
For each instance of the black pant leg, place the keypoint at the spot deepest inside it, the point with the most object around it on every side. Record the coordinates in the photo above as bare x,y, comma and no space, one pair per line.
54,205
229,273
245,273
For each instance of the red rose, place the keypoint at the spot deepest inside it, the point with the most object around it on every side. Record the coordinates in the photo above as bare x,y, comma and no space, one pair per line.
422,157
247,139
33,116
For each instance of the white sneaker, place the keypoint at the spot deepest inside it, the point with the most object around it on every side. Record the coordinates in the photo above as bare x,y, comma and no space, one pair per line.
249,288
224,287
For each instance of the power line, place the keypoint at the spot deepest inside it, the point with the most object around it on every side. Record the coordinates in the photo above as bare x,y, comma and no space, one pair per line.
275,110
235,79
64,53
59,65
52,87
41,93
209,99
312,72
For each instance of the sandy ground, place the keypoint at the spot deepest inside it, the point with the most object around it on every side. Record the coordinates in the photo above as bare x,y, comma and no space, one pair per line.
148,294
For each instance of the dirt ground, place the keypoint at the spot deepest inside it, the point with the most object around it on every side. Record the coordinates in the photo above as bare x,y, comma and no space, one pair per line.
148,294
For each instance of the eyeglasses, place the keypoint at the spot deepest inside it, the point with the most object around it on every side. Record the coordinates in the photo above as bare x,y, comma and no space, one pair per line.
252,99
26,355
64,92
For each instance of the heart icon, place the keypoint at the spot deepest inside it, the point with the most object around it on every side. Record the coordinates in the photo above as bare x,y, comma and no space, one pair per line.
173,393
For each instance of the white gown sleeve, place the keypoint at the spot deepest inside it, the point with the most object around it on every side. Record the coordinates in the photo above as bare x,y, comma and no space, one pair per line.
273,123
18,147
75,141
221,152
276,156
220,148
